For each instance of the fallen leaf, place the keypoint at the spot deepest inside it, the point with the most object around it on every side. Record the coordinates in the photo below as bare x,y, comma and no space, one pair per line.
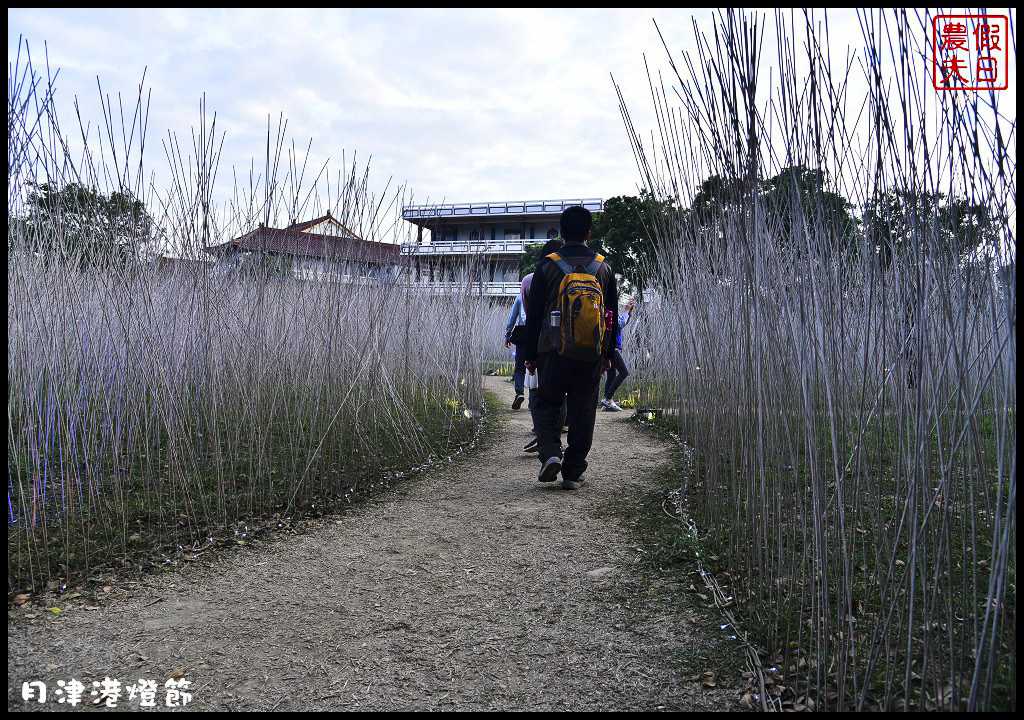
708,679
54,610
175,673
21,599
747,701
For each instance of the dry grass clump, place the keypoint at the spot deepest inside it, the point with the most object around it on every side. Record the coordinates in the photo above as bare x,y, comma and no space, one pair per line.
155,409
834,338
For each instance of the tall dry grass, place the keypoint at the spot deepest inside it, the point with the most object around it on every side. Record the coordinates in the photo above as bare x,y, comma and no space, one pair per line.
154,411
848,401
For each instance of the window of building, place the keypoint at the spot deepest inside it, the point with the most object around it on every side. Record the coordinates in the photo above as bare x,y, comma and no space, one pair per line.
474,236
512,234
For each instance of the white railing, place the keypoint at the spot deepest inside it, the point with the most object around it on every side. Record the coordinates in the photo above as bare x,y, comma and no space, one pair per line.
332,276
490,289
494,247
515,207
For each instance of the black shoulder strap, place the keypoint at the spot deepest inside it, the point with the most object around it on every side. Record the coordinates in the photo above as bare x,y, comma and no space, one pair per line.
566,268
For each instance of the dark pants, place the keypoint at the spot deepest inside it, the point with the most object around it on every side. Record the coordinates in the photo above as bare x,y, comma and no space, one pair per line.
576,383
519,372
616,374
519,378
532,404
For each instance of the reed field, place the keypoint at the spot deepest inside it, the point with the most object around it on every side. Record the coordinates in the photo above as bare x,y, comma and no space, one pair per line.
830,333
155,409
843,375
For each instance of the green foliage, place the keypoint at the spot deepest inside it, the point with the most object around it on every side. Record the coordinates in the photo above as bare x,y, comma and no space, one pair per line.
624,233
798,206
796,203
796,199
955,226
530,258
715,197
83,225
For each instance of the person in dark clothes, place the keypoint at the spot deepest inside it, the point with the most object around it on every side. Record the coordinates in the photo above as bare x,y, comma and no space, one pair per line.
560,378
553,245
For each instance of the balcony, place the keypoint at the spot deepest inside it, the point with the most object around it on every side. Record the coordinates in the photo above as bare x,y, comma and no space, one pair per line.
492,247
488,289
483,210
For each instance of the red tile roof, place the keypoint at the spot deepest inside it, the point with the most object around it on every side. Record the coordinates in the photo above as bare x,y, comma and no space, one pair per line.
292,241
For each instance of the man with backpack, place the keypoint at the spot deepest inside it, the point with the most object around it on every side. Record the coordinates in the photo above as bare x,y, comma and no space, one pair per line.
570,345
549,247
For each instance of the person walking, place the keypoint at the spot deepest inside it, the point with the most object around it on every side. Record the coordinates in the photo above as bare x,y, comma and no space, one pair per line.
619,371
552,245
566,344
515,329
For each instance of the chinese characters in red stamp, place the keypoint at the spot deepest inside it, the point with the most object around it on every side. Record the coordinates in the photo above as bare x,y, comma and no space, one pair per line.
970,52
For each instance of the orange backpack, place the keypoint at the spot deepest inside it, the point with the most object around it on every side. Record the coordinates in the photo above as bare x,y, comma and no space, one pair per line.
580,303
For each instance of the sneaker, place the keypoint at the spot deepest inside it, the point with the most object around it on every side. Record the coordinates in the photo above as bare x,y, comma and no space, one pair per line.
611,406
530,447
573,484
550,469
603,404
518,402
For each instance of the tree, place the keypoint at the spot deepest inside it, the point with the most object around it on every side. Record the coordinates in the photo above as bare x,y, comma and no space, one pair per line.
81,224
896,221
530,258
796,206
624,232
795,199
705,227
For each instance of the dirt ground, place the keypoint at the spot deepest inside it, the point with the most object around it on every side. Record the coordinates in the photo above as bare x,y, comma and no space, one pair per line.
472,587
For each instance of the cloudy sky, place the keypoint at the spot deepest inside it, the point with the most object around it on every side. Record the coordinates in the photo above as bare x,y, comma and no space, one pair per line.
458,105
464,105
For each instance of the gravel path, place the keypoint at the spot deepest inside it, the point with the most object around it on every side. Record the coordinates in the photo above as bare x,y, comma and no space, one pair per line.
472,587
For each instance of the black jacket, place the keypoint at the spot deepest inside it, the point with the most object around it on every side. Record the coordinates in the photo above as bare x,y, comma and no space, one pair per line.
546,279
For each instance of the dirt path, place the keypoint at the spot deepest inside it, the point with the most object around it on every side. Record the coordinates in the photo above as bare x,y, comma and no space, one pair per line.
474,587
